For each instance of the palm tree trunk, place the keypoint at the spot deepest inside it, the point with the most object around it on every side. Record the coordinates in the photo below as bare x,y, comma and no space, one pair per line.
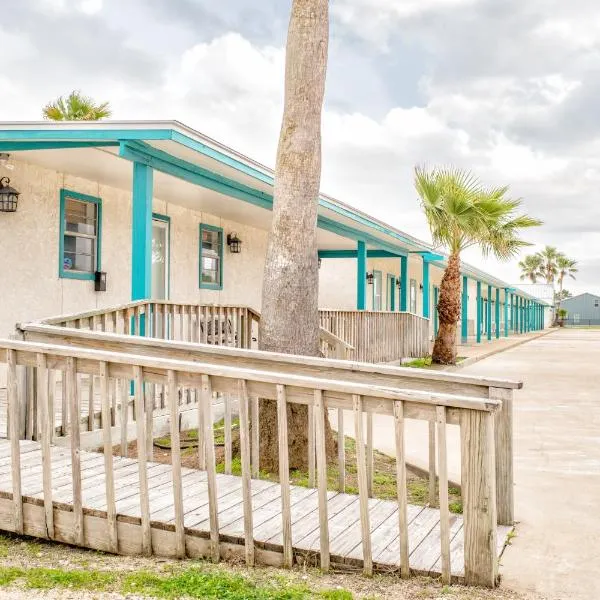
444,349
290,319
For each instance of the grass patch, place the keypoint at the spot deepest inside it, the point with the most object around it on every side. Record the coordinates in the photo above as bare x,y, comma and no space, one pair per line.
418,363
197,582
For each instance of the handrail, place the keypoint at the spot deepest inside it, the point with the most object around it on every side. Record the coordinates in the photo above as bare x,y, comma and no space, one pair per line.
47,362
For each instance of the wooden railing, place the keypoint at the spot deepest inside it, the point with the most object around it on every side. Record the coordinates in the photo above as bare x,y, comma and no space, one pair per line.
379,336
215,324
342,386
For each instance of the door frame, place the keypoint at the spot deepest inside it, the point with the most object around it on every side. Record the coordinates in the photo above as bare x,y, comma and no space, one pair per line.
167,220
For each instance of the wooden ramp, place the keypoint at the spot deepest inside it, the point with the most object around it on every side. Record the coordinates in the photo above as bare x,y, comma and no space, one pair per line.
344,515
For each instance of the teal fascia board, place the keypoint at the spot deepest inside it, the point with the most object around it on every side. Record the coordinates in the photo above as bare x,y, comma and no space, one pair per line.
22,146
114,135
141,235
464,333
353,254
66,274
426,300
430,256
403,283
361,276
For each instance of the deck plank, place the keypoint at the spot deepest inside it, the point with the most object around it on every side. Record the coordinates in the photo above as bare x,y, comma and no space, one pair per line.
343,512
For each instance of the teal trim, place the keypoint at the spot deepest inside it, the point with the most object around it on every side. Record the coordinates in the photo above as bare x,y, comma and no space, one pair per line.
506,301
85,134
464,330
429,256
426,299
353,254
21,146
403,283
211,286
497,316
489,312
377,278
391,292
166,219
361,276
436,292
67,274
141,234
479,312
521,316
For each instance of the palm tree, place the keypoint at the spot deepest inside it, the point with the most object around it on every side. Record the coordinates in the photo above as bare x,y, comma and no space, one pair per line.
290,316
76,107
548,268
531,267
566,267
461,213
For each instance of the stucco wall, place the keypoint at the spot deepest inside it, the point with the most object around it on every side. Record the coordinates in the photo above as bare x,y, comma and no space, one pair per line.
29,262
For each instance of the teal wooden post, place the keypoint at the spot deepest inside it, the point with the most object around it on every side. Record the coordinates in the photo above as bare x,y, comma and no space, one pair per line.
465,310
497,313
521,315
361,276
403,283
141,235
426,300
489,312
436,293
543,317
506,301
479,312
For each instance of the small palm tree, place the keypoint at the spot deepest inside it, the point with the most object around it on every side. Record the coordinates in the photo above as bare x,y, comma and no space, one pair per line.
462,213
566,267
531,267
76,107
548,256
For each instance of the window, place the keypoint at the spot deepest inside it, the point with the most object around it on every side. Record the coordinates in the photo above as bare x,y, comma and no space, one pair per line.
80,234
211,257
413,296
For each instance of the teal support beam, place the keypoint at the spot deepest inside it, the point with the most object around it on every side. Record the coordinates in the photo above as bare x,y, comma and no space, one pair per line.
403,283
436,320
489,312
141,236
506,301
497,316
479,312
464,334
426,299
521,316
361,276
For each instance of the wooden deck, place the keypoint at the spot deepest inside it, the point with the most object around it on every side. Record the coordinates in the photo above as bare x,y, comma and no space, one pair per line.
343,512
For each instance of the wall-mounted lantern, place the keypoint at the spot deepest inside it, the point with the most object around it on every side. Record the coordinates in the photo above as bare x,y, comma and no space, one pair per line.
399,284
8,196
320,262
234,243
370,278
421,286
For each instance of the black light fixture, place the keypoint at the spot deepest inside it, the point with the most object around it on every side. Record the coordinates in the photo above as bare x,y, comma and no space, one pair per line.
234,243
399,284
320,262
370,278
8,196
421,286
100,281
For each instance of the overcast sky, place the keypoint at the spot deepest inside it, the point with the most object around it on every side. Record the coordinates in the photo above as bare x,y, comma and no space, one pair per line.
507,88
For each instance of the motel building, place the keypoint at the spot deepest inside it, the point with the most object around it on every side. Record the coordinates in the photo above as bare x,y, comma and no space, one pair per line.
116,212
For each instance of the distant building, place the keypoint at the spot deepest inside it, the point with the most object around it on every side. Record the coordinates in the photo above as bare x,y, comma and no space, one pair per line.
582,310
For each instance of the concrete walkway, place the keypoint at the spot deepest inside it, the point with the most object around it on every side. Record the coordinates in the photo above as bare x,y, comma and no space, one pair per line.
557,463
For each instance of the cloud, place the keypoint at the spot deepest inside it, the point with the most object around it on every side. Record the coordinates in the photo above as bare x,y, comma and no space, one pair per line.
508,89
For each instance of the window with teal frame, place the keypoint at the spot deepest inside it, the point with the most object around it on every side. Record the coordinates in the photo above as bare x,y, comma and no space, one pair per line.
80,235
211,257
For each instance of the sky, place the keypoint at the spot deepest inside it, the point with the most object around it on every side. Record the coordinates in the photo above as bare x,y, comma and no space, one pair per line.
506,88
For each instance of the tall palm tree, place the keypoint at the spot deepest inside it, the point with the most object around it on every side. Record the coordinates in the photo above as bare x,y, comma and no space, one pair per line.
548,256
531,267
76,107
461,213
566,267
290,316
